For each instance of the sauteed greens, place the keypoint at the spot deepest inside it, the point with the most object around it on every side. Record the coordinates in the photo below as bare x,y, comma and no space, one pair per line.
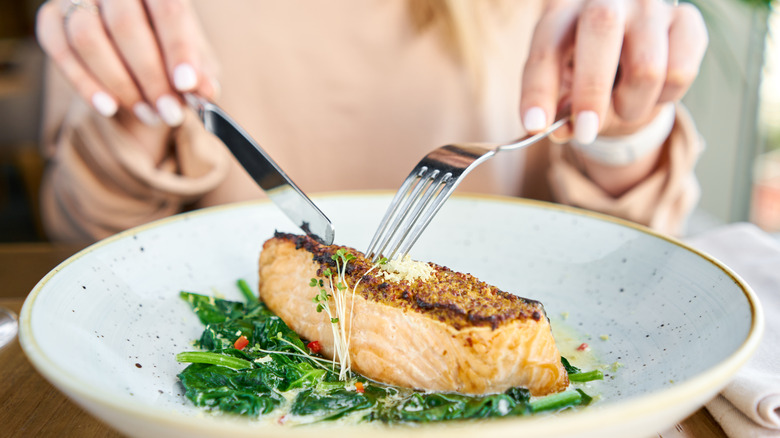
253,364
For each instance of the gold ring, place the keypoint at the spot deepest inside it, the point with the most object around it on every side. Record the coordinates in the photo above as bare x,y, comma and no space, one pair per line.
75,5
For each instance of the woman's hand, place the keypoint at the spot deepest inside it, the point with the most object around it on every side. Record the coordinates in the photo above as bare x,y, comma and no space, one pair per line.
132,55
615,61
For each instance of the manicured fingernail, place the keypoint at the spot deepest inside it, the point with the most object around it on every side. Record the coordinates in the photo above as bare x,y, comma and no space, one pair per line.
534,119
104,104
184,77
170,110
586,127
146,114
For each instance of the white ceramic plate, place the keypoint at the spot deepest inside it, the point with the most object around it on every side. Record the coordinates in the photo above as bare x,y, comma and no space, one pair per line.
104,326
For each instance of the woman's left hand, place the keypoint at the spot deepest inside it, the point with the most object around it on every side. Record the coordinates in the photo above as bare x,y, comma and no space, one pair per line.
615,61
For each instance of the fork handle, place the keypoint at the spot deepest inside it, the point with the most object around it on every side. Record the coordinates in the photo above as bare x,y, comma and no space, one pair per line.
562,118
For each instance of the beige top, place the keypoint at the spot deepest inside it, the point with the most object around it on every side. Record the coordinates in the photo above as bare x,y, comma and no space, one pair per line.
343,95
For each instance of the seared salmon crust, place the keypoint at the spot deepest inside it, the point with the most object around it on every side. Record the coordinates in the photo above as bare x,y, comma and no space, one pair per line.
451,332
454,298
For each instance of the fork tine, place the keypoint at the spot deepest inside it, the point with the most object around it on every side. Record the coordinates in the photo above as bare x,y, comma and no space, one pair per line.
392,209
438,182
399,209
420,187
430,212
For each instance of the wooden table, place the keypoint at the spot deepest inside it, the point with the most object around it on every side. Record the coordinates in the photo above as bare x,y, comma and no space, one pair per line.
31,407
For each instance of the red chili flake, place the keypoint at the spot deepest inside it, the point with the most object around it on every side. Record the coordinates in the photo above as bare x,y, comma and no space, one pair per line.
282,419
359,387
241,342
582,347
314,346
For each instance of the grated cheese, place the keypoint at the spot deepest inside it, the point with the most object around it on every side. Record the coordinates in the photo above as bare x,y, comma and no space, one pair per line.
397,270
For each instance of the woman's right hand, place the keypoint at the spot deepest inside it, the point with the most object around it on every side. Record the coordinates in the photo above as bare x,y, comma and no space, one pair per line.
135,55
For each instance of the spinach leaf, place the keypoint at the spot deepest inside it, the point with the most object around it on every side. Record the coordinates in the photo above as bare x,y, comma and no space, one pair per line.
570,369
212,310
273,334
229,390
577,375
330,405
425,407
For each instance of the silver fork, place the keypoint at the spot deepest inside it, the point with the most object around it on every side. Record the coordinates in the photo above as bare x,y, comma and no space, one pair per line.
430,183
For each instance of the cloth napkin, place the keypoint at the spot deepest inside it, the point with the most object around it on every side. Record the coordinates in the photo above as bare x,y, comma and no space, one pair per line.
750,405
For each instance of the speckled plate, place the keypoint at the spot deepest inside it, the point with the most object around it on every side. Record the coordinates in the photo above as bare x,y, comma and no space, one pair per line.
670,325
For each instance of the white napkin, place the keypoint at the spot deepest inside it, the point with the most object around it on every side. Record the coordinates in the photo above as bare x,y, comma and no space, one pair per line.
754,394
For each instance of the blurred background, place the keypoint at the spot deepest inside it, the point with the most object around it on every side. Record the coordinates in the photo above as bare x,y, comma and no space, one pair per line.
735,101
21,68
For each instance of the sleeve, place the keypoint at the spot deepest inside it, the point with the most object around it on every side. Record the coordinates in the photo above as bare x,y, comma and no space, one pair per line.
100,180
662,201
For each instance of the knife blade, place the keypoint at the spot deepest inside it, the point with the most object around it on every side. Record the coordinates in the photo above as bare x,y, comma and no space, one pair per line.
263,169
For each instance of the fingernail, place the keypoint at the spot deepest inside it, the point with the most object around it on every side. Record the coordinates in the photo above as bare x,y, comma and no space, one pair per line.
104,104
146,114
170,110
535,119
586,127
184,77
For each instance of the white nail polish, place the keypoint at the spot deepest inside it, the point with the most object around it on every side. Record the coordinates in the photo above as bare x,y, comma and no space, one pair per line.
146,114
586,127
184,77
170,110
535,119
104,104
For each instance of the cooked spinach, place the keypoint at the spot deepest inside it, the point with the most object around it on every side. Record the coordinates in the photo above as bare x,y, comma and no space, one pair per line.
577,375
276,372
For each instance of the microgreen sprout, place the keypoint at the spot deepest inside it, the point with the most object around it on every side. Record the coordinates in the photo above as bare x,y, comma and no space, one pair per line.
341,327
318,361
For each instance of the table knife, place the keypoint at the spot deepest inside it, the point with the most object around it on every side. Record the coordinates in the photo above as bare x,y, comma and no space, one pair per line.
262,168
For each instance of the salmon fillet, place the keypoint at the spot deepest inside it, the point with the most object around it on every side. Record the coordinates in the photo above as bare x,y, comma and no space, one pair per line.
451,332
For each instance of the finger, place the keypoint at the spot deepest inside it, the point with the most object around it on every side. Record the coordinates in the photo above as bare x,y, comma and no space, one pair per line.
687,44
597,52
88,39
210,87
53,40
541,75
128,24
178,31
643,62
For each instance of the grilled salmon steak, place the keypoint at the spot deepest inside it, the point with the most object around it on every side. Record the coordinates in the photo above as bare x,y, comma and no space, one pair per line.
448,332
